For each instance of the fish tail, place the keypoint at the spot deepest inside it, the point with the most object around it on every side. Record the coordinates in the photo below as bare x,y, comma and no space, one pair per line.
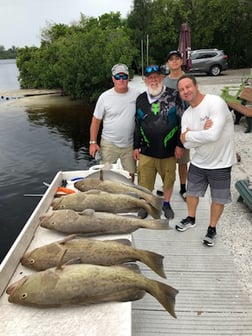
165,295
154,201
156,224
155,213
154,261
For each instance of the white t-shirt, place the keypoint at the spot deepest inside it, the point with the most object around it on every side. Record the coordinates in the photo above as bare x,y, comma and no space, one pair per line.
117,110
214,148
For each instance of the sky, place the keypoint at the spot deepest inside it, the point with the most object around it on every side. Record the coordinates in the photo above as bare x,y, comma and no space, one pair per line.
21,21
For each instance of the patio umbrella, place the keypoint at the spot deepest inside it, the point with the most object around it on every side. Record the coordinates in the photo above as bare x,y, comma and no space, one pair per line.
185,46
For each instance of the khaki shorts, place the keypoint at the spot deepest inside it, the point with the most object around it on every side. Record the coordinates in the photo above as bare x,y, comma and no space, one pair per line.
148,167
111,153
185,158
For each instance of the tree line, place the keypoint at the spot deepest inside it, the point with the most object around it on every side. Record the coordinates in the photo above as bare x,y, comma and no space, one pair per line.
8,54
78,58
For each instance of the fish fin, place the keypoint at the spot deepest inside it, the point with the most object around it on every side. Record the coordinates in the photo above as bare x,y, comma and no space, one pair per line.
94,191
155,213
101,175
87,212
131,266
60,262
153,260
68,238
165,295
130,193
155,201
122,241
73,261
156,224
147,191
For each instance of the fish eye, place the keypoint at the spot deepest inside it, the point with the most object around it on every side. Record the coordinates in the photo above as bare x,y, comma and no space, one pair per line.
24,296
32,261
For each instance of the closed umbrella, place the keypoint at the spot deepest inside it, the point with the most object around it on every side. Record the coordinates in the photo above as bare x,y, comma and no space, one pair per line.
185,46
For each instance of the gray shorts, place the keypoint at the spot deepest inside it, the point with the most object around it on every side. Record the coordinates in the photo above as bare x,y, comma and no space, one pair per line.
218,180
110,153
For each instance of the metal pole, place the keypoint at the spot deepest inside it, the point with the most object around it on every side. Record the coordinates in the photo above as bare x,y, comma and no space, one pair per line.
147,50
142,57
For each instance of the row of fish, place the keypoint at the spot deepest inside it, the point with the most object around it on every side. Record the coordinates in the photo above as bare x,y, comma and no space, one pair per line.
77,270
114,196
87,271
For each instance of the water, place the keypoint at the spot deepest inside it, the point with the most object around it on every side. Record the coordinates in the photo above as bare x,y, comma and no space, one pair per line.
35,143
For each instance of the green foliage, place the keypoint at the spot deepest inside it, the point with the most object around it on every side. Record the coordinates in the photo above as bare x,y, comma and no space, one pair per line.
222,24
8,54
78,58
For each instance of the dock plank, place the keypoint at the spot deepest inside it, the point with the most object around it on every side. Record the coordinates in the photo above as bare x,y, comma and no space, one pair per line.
210,299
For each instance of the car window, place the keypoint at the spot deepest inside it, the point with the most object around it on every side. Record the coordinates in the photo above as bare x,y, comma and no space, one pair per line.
203,55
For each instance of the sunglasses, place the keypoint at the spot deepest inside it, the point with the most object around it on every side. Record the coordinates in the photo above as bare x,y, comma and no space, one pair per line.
118,77
152,68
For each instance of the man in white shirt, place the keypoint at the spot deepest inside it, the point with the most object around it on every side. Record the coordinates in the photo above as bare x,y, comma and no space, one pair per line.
207,127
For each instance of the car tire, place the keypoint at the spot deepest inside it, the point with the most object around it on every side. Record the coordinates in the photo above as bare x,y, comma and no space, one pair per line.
215,70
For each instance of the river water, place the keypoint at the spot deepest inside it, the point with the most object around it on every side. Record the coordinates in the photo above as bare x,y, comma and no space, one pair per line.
35,143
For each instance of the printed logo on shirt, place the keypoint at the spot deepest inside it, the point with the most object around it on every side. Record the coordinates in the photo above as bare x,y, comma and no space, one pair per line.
155,107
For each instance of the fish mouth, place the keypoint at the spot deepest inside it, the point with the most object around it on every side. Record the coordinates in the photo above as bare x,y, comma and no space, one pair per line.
13,287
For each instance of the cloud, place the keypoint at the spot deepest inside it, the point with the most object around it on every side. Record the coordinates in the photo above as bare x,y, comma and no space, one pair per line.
21,21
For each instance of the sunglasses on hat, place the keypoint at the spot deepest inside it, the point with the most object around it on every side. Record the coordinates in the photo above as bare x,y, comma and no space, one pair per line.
152,68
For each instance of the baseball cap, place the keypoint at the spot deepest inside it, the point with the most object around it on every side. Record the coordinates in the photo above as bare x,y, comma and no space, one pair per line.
120,68
152,69
174,52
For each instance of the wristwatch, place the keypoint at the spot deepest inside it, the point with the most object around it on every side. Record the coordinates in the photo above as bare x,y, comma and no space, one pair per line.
92,142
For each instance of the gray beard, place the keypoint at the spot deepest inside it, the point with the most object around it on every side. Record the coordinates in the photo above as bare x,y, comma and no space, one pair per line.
157,91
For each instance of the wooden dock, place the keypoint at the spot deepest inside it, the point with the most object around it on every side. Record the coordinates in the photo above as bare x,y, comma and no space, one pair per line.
210,299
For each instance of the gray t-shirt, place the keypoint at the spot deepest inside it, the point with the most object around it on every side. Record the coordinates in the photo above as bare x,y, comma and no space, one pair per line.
117,110
171,82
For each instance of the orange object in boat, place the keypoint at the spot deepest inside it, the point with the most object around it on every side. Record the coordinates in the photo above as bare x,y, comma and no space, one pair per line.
65,190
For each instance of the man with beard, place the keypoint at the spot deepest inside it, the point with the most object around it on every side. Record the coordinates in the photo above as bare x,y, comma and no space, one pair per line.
156,136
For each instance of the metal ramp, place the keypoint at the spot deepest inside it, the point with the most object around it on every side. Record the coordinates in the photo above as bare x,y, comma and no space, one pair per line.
210,299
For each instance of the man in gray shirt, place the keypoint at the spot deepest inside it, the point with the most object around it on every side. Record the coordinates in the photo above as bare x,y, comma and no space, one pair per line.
116,107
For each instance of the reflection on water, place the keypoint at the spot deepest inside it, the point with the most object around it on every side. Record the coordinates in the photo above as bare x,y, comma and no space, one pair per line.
36,143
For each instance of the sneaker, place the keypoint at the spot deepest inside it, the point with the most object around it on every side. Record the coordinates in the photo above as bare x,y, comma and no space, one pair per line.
210,236
183,195
168,212
142,213
185,224
160,193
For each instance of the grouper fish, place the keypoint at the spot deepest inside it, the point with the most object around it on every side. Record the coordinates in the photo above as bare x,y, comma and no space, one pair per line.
84,284
93,223
91,251
119,187
105,202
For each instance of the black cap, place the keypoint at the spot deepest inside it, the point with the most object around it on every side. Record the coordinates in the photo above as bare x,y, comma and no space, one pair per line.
152,69
174,52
